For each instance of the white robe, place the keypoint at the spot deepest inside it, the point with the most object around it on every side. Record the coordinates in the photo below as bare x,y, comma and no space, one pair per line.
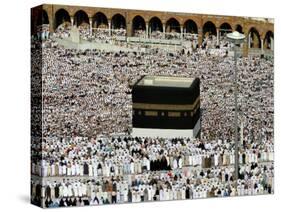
180,163
175,164
132,168
90,170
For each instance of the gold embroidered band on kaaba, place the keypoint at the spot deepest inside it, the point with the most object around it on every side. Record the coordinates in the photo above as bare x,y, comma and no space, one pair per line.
148,106
150,113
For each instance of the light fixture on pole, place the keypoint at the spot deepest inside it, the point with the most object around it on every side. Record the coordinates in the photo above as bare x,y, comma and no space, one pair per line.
236,38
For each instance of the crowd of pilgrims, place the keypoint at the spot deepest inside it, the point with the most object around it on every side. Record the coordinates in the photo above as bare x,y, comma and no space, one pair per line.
122,156
103,35
87,101
180,184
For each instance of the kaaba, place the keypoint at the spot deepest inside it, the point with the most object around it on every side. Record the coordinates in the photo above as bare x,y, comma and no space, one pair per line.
165,106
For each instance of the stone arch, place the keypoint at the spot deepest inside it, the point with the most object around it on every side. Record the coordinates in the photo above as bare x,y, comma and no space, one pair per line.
81,17
138,23
239,28
255,40
45,17
155,24
61,17
269,40
190,26
39,17
209,28
42,18
100,20
172,25
225,28
118,21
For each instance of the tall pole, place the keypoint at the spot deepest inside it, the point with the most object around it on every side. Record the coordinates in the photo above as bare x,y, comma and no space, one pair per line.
241,130
236,116
236,38
260,107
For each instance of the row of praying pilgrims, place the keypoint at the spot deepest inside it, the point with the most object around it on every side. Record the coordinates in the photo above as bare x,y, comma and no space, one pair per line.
203,183
94,168
145,196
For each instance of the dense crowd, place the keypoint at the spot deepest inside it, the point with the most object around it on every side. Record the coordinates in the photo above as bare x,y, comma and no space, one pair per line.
127,155
87,91
140,33
185,183
87,103
104,35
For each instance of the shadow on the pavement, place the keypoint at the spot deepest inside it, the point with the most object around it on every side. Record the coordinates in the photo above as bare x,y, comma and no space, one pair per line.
24,198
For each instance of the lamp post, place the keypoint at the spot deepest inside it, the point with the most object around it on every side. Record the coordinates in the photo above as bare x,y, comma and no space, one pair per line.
236,38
